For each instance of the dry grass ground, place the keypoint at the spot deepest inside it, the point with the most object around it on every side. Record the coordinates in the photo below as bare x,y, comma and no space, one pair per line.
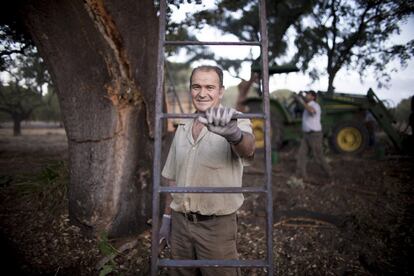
360,225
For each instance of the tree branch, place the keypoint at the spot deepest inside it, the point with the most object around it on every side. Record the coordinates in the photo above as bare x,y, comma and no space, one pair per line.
334,29
344,54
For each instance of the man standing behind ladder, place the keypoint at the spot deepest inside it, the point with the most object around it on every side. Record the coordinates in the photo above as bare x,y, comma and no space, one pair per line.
209,151
312,136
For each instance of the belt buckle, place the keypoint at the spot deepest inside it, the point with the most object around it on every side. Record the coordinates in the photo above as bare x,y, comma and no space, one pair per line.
191,217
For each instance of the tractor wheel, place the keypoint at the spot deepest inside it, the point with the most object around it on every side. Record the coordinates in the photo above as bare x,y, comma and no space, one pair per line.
258,131
349,137
276,126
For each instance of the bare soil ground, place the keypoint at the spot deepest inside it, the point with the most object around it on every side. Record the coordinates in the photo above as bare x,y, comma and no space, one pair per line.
362,224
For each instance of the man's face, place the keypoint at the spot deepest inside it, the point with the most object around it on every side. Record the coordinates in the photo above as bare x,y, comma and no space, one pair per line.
206,91
309,97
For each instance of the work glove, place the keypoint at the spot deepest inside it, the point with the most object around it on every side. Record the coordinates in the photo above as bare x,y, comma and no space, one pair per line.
218,120
165,230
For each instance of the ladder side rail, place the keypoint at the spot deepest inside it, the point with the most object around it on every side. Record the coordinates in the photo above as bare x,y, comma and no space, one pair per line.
157,140
268,165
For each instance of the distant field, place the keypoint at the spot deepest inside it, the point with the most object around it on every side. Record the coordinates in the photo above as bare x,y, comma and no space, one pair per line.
6,132
33,124
30,152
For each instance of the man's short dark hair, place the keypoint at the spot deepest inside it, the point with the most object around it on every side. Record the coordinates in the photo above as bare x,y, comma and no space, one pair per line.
313,93
207,68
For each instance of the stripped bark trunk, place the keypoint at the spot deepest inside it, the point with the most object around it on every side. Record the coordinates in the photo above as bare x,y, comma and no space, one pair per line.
102,58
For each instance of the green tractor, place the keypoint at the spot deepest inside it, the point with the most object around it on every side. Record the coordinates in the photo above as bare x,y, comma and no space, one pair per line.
343,121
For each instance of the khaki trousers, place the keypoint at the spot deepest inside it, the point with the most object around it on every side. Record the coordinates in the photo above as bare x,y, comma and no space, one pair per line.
211,239
311,141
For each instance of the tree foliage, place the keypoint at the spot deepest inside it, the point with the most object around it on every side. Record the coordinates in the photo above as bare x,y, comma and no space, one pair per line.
355,35
14,38
241,18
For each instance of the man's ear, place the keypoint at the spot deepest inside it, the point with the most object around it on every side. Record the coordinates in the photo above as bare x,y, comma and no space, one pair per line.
221,92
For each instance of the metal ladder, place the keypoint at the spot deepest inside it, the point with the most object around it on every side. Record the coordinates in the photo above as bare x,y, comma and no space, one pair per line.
158,189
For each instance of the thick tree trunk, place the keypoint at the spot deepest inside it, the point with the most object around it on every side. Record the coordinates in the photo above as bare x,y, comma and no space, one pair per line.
17,126
331,77
102,57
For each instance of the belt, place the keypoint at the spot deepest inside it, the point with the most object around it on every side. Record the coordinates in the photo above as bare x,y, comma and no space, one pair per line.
194,217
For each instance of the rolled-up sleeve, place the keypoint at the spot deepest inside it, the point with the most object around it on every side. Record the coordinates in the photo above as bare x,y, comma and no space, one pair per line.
245,125
169,170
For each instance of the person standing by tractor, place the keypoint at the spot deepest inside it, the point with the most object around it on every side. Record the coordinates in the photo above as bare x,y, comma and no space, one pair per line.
312,136
209,151
371,125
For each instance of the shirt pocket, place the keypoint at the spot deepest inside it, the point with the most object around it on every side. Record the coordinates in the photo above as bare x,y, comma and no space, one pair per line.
213,153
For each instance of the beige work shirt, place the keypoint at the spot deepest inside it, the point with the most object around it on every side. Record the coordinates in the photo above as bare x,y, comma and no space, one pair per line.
207,162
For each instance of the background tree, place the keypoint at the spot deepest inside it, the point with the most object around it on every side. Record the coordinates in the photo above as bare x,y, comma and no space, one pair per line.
355,35
101,56
22,93
18,102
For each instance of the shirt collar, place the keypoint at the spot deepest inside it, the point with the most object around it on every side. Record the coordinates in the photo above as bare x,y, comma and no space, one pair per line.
188,126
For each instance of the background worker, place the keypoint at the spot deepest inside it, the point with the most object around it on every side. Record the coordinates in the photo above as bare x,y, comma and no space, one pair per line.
209,151
312,136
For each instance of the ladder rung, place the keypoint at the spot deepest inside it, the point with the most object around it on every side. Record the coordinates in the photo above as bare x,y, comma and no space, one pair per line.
212,190
220,43
195,115
212,263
